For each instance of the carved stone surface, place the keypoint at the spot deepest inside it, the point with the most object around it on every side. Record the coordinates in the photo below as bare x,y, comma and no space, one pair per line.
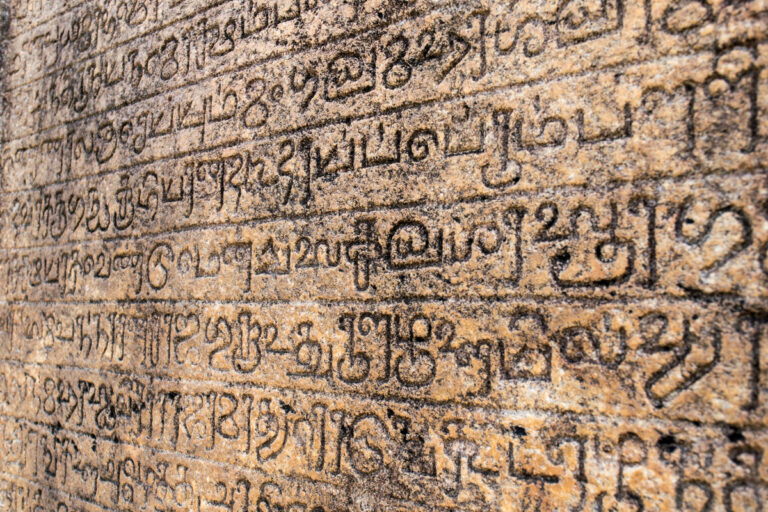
383,255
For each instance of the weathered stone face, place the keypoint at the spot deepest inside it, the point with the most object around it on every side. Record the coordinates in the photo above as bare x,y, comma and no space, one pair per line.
383,255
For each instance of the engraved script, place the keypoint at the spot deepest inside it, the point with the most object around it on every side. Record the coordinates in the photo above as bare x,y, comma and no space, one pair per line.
383,255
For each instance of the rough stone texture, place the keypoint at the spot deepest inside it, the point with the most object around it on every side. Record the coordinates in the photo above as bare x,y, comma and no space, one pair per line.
383,255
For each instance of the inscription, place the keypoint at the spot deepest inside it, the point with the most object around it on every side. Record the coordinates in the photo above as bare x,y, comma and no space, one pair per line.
633,243
263,100
383,256
654,360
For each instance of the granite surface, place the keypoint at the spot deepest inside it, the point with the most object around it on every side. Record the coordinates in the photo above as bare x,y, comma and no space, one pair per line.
383,255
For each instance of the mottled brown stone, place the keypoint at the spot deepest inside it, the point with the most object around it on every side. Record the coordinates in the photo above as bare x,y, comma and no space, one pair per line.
383,255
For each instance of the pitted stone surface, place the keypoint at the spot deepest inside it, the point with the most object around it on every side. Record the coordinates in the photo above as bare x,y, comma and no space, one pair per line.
383,255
